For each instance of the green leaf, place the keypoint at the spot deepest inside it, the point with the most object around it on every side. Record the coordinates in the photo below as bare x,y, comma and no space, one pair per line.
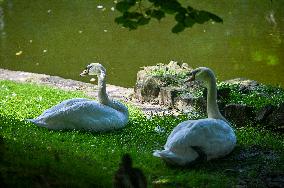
149,12
188,21
215,18
178,28
131,2
199,16
170,6
133,15
189,8
131,25
122,6
179,17
143,21
158,14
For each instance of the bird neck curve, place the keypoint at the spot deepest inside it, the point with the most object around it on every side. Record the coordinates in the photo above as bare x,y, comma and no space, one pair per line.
102,94
103,97
212,106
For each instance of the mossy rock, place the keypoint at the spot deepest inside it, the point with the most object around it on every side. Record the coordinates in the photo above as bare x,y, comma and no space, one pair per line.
151,79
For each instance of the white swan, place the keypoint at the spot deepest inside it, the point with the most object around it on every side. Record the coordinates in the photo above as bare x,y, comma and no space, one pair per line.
86,114
204,138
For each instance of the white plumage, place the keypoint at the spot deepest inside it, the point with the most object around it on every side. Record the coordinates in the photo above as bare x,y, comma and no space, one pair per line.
86,114
212,137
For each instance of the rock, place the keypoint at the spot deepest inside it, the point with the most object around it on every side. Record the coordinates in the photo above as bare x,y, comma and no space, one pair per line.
276,119
263,113
148,89
182,99
274,179
272,117
151,79
165,85
168,95
239,114
223,94
187,102
245,85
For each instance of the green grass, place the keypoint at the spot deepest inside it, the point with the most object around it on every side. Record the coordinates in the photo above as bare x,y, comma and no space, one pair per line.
261,96
32,156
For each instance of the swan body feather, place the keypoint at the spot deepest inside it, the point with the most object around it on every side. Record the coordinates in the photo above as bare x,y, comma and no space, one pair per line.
81,114
213,136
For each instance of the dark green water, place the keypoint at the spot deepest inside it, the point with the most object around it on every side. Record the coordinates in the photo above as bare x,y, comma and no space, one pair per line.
60,37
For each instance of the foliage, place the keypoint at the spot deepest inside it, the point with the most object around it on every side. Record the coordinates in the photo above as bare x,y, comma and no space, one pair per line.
136,13
167,75
258,98
36,157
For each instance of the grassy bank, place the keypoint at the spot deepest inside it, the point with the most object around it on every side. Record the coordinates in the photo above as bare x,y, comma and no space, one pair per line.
32,156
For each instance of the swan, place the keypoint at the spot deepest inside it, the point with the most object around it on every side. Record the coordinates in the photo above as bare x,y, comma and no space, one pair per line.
208,138
79,113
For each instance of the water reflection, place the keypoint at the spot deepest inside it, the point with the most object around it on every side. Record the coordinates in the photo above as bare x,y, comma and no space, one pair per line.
1,19
274,31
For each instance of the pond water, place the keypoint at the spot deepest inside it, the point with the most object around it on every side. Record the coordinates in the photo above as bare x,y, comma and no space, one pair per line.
60,37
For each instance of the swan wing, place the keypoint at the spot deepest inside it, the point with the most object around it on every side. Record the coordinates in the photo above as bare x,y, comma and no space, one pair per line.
214,136
85,114
181,127
64,104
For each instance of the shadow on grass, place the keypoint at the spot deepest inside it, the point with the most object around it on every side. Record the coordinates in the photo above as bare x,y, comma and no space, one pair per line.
28,162
34,156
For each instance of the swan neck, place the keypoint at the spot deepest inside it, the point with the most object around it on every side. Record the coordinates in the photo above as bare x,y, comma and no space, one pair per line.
104,99
212,106
102,94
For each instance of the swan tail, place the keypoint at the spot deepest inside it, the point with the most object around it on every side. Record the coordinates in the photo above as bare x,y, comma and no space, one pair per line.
37,122
169,157
172,158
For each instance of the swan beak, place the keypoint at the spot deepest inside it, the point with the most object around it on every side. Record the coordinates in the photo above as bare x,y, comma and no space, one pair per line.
191,78
85,72
192,75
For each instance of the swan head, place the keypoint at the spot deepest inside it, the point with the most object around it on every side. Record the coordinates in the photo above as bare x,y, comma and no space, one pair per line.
203,74
93,69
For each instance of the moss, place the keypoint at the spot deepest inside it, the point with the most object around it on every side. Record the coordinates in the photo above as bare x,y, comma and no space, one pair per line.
171,74
259,97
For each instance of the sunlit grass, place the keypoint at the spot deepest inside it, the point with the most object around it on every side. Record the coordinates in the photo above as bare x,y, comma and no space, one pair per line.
260,97
34,156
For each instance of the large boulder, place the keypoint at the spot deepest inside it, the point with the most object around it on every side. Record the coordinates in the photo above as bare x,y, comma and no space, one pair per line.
239,114
245,85
151,79
147,89
271,117
182,99
165,85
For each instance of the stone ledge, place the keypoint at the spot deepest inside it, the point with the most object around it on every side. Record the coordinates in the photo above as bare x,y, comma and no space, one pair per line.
115,92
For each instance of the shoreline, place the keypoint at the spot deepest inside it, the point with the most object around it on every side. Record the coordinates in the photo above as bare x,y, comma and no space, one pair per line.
115,92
